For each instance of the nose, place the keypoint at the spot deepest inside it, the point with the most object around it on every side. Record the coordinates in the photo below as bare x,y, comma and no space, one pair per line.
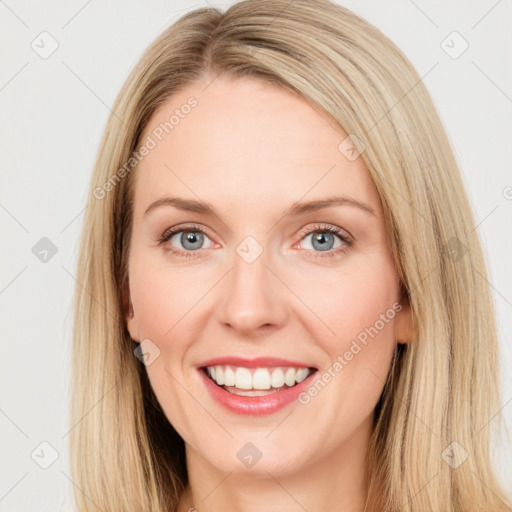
254,299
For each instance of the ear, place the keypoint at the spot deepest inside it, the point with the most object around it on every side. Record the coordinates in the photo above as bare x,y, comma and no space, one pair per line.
129,315
404,329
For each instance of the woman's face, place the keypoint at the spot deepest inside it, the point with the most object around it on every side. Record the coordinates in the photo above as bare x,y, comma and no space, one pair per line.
255,289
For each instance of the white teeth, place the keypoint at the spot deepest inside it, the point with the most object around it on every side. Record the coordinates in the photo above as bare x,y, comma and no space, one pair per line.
243,378
277,378
229,377
219,375
301,374
289,377
261,379
257,379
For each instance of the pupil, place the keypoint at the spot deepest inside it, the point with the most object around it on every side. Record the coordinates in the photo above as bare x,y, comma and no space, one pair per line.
321,239
193,239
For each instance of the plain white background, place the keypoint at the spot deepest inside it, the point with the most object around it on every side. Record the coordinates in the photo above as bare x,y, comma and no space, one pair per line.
53,112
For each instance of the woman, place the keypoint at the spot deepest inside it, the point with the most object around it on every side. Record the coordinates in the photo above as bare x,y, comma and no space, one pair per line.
282,298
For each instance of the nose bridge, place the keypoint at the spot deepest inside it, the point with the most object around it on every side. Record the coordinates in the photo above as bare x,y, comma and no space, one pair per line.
252,298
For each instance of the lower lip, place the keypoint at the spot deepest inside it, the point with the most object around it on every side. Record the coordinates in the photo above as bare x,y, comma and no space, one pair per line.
254,405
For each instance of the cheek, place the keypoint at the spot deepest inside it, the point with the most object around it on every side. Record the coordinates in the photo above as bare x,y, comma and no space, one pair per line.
157,305
350,301
164,301
164,297
357,308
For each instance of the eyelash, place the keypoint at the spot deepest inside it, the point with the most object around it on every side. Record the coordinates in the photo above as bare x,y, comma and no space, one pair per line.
322,228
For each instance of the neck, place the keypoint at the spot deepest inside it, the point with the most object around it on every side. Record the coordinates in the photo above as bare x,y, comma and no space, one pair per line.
336,482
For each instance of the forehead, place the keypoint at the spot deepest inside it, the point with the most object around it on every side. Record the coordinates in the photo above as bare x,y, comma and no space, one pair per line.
249,142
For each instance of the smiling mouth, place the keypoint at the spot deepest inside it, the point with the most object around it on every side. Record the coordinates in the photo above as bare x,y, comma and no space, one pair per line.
242,381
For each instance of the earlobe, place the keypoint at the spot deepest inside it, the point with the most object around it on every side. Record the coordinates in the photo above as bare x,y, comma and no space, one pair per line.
404,330
130,318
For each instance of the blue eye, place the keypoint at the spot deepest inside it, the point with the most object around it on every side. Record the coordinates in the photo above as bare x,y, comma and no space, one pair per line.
324,238
322,241
191,239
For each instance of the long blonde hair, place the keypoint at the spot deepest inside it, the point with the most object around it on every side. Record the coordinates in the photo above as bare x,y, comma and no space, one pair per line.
430,449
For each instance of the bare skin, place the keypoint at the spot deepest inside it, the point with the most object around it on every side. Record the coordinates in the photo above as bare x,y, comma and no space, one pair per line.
251,150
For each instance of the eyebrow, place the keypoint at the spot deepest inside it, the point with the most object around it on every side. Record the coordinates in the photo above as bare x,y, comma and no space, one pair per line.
191,205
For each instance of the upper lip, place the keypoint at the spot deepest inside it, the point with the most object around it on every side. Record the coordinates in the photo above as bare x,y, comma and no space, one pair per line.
257,362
